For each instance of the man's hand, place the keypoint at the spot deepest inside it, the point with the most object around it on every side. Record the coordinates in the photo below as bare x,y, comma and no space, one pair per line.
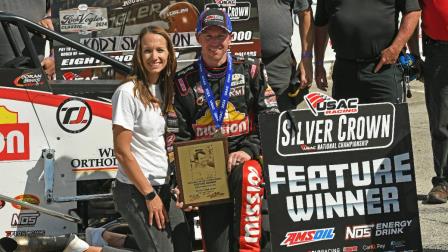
388,56
157,212
321,77
48,66
305,72
47,23
235,158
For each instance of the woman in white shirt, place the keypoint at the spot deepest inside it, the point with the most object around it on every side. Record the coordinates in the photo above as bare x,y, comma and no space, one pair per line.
142,192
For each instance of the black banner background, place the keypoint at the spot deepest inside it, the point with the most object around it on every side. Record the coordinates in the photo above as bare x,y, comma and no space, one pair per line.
127,17
281,222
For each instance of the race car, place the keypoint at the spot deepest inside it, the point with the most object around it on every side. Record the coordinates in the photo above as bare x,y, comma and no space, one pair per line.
56,153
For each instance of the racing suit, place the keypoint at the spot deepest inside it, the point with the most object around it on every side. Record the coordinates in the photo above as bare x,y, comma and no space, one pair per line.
232,226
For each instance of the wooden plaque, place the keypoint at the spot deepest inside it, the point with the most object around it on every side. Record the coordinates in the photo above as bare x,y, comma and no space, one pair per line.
201,171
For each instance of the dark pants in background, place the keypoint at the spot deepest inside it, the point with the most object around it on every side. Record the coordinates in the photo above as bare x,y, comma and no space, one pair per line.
436,92
356,79
283,79
131,204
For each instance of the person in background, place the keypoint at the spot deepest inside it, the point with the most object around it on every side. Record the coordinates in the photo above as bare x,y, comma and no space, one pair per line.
142,192
367,41
38,11
435,67
238,86
276,29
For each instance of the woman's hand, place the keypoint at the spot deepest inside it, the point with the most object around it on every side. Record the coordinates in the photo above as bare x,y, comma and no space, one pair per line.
180,204
157,212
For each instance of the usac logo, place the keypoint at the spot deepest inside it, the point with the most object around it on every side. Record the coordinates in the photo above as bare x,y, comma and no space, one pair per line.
74,115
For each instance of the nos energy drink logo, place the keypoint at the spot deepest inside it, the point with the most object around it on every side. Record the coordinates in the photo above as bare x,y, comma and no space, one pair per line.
74,115
321,103
14,136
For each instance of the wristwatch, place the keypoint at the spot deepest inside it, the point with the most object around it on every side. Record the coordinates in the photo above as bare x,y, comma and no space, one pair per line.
151,195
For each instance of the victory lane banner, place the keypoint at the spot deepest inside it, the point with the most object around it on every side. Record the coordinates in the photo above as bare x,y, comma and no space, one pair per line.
112,27
340,177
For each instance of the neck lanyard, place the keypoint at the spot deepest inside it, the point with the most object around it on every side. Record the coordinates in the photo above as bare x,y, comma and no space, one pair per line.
219,112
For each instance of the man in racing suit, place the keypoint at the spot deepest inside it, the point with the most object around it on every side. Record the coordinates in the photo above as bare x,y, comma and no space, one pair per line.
232,226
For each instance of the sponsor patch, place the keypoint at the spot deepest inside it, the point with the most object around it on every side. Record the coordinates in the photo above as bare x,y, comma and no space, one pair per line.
371,127
237,91
358,232
253,71
238,79
200,100
378,230
198,88
321,103
266,76
83,19
14,136
29,198
296,238
224,3
24,219
182,87
270,100
350,249
235,123
397,244
29,79
211,18
105,160
373,247
74,115
29,233
252,192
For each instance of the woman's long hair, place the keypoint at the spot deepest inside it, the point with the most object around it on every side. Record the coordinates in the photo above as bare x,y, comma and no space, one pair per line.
141,79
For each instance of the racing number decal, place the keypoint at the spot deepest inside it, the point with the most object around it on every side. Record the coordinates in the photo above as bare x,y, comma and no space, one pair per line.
74,115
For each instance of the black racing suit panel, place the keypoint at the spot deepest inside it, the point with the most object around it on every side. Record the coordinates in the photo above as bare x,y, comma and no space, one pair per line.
234,226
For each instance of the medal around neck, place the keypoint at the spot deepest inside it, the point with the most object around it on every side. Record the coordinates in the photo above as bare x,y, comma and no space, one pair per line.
218,133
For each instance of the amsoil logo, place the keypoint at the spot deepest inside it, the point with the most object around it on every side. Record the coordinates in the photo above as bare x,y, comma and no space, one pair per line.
307,236
14,136
321,103
28,80
74,115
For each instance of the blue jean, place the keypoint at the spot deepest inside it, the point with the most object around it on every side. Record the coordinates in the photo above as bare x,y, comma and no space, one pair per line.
435,72
131,204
